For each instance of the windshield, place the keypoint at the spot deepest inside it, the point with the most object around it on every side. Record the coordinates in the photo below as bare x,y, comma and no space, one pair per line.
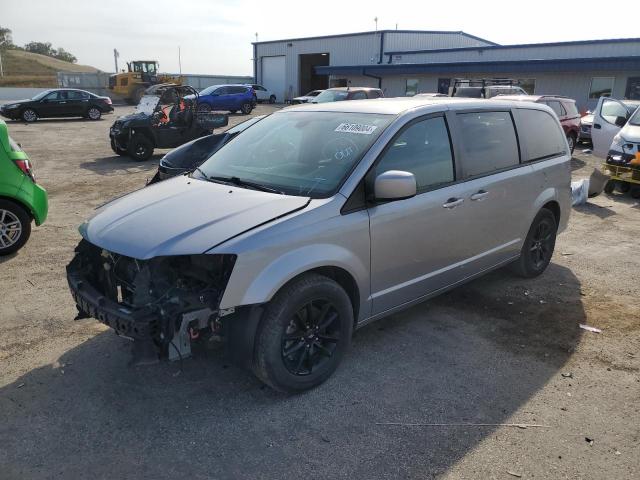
208,90
298,153
635,118
331,96
41,95
313,93
241,127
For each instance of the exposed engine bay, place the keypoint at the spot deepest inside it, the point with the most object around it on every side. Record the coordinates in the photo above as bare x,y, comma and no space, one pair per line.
161,303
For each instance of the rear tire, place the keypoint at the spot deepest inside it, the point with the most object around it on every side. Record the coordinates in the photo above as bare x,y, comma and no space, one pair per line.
272,99
137,95
635,192
15,227
537,249
29,115
140,148
623,187
303,334
246,108
94,113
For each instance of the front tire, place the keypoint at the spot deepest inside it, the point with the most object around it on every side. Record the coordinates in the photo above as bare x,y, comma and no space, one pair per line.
29,115
246,108
610,187
537,249
303,335
94,113
571,140
15,227
140,148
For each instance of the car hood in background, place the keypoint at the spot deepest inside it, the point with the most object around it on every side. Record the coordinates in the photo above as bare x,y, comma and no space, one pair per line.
17,102
182,216
587,119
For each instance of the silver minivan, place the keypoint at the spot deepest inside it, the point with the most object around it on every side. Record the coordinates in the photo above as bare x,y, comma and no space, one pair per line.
319,219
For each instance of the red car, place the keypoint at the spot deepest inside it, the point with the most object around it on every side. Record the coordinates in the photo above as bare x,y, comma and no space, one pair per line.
564,107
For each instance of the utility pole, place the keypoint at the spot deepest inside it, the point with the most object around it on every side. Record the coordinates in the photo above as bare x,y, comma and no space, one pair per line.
179,61
376,20
1,70
116,54
256,37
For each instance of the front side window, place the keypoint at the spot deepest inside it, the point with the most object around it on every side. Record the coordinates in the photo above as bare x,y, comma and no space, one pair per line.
528,85
298,153
571,108
411,87
423,149
613,110
489,142
359,96
540,134
601,87
53,96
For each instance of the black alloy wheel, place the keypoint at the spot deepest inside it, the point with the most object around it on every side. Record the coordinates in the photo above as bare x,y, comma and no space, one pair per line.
303,334
311,337
538,247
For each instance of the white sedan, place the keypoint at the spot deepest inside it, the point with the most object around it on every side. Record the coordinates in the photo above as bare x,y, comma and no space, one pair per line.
262,94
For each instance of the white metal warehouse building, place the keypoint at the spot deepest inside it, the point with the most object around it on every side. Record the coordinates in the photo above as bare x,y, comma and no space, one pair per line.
405,62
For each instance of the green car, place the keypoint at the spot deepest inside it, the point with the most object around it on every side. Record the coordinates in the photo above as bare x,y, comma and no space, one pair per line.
21,198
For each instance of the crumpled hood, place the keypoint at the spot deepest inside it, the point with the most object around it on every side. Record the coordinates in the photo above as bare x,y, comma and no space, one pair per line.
631,133
182,216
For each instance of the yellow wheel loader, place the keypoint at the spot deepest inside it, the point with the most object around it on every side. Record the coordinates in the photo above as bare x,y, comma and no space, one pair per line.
140,75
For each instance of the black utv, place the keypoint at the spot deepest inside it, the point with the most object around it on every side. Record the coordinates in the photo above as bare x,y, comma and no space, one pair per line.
166,117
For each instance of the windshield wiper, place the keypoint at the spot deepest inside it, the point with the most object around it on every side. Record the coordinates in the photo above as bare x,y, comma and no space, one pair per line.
245,183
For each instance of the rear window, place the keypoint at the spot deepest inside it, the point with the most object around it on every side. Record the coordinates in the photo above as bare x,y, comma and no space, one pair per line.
571,108
488,141
540,135
14,145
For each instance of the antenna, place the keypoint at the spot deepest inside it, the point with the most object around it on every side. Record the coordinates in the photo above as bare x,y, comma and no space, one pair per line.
256,37
376,20
179,61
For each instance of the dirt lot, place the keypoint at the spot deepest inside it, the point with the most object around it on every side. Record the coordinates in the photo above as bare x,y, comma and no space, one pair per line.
491,352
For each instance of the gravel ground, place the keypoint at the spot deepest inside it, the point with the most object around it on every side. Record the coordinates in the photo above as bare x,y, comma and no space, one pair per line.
491,352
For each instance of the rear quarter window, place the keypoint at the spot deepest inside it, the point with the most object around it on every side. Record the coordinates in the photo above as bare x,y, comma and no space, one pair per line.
488,141
540,135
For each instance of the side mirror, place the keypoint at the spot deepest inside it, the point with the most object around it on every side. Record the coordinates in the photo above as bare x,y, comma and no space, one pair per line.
621,121
394,185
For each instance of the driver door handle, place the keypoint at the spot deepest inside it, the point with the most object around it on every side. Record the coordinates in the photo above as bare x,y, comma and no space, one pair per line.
453,202
480,195
597,126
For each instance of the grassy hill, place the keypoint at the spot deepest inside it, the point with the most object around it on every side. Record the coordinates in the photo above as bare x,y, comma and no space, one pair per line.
25,69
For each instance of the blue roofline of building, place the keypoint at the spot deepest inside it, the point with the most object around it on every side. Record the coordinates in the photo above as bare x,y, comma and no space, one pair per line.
445,32
521,45
531,66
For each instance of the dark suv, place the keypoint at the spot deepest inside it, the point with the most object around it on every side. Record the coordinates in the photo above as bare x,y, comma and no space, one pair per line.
564,107
347,93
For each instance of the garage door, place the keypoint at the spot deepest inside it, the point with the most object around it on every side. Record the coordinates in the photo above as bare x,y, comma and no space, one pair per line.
273,76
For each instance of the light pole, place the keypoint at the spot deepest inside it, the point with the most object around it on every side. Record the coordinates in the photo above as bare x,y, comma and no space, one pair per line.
116,54
376,20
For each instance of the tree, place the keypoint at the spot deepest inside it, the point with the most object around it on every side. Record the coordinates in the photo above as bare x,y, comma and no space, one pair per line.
6,41
43,48
62,54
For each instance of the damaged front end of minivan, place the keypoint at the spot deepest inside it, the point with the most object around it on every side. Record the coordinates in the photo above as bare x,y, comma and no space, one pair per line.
162,303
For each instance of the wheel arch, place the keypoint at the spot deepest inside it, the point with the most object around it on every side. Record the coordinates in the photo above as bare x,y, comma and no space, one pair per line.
21,204
248,287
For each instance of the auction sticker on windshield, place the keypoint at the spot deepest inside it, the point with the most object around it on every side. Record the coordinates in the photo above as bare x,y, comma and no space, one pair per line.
356,128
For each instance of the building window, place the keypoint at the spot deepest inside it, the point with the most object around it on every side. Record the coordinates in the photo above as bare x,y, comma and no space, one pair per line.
601,87
528,85
412,87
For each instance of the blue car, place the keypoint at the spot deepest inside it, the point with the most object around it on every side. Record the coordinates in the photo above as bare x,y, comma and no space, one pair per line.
227,97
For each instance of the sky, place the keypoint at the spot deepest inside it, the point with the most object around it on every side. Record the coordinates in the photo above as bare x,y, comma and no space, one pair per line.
215,36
